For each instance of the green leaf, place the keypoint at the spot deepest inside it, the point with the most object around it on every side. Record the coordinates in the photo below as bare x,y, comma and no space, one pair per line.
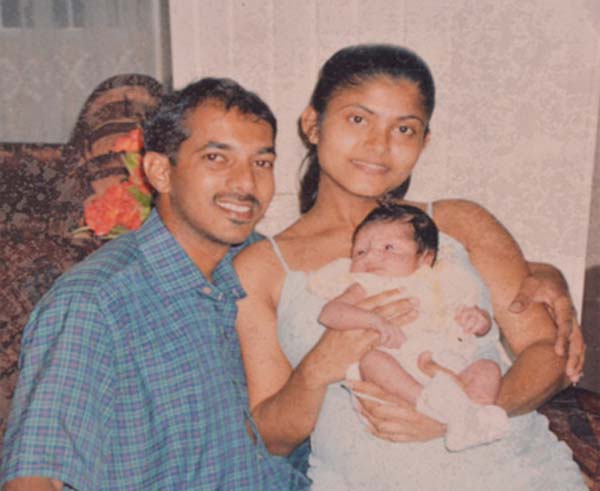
145,213
131,161
142,198
80,229
116,231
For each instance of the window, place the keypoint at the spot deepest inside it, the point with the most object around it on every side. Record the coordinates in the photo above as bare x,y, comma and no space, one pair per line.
67,13
54,52
17,13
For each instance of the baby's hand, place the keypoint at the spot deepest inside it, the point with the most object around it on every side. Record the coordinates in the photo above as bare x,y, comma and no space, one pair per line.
473,320
391,336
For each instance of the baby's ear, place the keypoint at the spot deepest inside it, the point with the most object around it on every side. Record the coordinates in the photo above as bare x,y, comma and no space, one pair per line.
426,258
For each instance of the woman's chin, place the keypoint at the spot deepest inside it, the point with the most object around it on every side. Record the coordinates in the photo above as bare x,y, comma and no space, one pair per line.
369,193
361,186
368,189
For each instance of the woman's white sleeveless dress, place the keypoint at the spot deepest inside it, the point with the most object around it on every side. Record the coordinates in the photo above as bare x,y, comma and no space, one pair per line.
346,457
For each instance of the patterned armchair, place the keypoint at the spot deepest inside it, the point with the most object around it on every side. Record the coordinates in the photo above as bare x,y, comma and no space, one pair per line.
42,191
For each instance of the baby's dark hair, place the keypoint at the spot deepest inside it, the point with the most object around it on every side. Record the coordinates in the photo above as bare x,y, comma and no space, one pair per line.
425,230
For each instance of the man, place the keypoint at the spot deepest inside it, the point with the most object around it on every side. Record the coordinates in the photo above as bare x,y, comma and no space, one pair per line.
131,371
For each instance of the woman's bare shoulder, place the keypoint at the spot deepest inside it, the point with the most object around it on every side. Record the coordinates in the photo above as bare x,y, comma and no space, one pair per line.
448,207
261,272
460,207
457,217
258,261
473,225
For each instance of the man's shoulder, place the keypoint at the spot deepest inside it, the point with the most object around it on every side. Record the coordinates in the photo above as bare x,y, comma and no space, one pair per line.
94,293
253,238
103,270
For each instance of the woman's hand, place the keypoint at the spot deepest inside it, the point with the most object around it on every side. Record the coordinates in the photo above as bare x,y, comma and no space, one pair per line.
335,351
548,286
394,419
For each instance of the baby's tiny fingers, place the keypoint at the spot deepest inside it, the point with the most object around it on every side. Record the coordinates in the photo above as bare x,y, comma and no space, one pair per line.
404,320
470,329
384,336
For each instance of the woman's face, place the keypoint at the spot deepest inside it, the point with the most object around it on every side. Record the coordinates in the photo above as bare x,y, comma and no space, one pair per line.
371,135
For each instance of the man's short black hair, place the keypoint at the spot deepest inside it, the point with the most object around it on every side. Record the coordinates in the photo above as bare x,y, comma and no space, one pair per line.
165,129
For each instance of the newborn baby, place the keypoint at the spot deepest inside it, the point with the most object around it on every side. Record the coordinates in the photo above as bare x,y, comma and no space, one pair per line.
395,247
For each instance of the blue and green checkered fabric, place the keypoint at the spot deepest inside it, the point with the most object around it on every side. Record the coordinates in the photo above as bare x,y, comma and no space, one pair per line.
131,378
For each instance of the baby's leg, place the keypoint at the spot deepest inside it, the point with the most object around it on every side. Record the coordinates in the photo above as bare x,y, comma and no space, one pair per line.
481,380
384,370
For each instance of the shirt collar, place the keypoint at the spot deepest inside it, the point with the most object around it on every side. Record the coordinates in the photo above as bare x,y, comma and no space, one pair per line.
175,271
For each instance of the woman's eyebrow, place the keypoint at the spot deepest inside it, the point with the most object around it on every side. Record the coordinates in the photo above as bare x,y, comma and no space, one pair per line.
399,118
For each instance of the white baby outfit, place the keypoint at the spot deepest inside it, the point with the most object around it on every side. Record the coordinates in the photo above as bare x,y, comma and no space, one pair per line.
441,290
346,457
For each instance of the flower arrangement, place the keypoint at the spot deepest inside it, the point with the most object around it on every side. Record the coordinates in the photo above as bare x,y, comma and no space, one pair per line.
123,206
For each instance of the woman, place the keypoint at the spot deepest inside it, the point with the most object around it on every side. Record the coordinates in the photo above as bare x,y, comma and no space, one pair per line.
366,125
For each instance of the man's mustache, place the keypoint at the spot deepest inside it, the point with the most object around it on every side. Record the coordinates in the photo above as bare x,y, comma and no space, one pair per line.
241,198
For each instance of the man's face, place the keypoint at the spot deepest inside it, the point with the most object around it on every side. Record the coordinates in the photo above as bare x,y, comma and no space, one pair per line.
222,182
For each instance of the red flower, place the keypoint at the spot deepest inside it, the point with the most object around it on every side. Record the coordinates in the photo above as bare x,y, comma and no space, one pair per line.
123,206
115,207
131,142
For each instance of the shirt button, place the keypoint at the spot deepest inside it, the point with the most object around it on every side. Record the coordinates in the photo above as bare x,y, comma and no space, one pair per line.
207,290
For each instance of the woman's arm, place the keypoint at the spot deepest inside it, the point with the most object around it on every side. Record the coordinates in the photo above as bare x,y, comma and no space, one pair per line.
285,403
33,484
538,371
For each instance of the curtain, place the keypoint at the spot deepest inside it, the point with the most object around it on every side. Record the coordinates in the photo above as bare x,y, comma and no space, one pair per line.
54,52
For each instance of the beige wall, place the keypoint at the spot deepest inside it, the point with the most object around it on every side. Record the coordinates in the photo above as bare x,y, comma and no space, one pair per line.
518,93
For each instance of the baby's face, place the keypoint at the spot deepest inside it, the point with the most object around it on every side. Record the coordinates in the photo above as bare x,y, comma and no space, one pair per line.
386,249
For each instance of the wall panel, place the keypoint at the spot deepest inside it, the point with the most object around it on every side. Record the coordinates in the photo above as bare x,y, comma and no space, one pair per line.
517,109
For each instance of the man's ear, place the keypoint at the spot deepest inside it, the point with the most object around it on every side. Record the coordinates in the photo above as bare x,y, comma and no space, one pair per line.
309,122
157,168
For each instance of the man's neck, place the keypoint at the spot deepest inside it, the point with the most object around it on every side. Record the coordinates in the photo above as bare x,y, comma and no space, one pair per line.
205,259
205,252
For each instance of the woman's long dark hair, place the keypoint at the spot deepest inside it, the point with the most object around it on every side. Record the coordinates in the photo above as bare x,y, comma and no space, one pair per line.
353,66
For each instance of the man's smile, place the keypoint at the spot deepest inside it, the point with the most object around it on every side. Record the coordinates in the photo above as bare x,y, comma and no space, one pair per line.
240,208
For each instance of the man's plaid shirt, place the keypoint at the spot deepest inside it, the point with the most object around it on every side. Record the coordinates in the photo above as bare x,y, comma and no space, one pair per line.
131,378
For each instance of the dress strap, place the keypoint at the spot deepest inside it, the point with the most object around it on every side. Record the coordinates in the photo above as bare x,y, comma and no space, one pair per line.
430,209
278,253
